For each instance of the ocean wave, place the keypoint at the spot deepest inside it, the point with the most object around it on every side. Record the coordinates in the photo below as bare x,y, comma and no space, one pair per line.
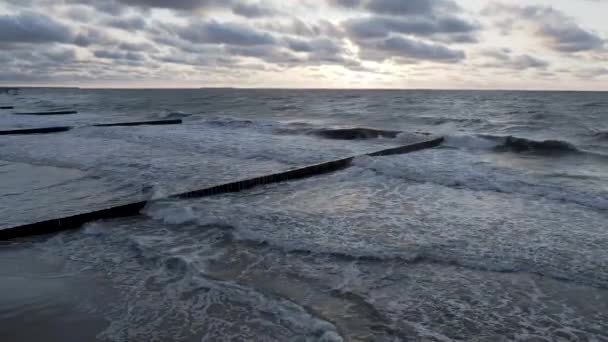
444,254
357,133
601,135
175,115
412,237
595,104
173,287
333,133
437,121
229,122
442,169
514,144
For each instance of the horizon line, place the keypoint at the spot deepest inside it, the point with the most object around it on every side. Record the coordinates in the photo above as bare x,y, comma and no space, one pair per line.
294,88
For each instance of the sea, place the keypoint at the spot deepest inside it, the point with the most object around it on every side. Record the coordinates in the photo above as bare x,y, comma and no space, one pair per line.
499,234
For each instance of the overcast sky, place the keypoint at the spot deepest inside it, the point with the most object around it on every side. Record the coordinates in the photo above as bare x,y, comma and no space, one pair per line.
472,44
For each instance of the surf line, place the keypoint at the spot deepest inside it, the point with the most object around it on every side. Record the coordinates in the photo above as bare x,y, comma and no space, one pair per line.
44,130
133,209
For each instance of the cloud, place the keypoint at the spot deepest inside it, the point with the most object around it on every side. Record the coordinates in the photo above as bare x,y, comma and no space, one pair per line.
559,31
30,27
213,32
253,10
120,55
405,50
407,31
178,4
502,58
380,26
233,39
297,27
132,23
570,37
592,73
93,36
400,7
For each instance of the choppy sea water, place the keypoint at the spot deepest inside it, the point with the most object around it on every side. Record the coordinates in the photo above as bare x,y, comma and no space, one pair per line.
500,234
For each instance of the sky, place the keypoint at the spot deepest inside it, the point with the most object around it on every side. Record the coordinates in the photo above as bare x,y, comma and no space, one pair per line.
405,44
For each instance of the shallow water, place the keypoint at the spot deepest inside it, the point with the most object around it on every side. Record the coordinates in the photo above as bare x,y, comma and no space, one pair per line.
499,234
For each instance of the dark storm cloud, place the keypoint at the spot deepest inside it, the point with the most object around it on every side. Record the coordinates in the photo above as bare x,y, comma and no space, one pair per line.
30,27
560,32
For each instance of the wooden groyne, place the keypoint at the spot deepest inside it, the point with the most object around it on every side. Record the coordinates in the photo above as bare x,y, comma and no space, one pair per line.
131,209
141,123
58,112
36,130
43,130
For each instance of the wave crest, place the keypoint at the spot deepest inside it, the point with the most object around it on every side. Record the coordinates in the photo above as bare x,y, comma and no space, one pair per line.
513,144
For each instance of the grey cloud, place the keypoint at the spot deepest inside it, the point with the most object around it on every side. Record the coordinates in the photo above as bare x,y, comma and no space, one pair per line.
388,33
591,73
345,3
383,37
253,10
571,38
527,62
64,55
143,46
31,64
299,45
379,26
400,7
177,4
112,7
505,60
32,27
410,6
272,55
213,32
320,45
119,55
132,23
298,27
404,48
81,13
93,36
560,32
